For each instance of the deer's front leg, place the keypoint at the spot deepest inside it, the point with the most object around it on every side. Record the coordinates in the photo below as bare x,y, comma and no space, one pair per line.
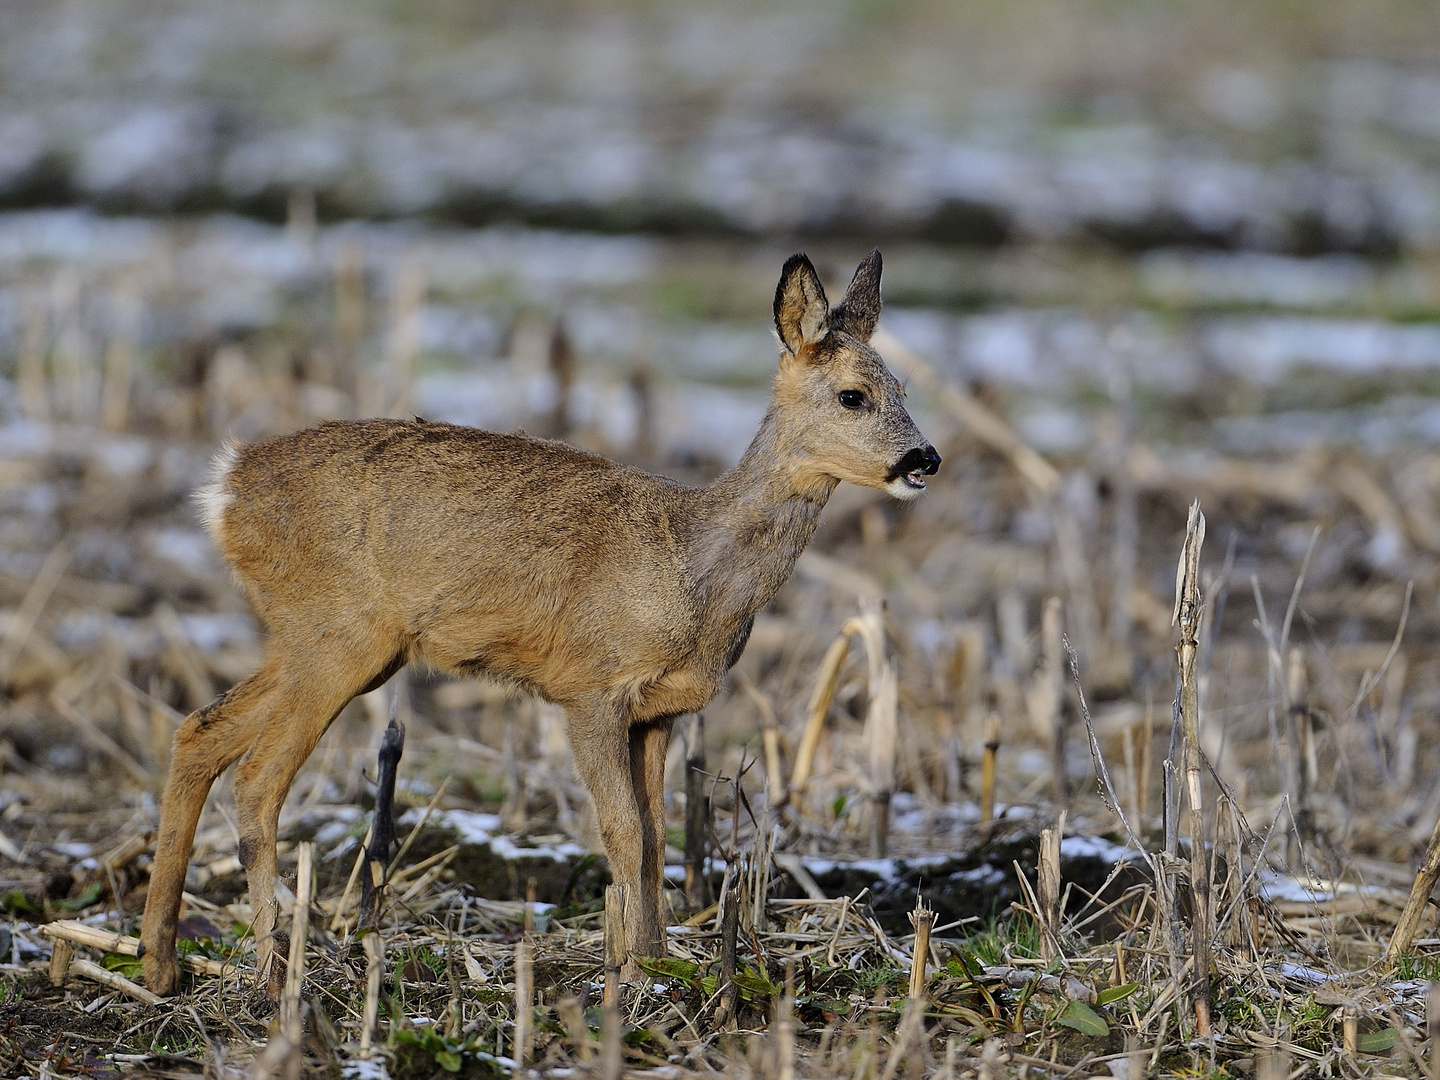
600,743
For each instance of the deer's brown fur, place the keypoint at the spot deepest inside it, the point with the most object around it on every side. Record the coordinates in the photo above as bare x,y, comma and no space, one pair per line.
621,596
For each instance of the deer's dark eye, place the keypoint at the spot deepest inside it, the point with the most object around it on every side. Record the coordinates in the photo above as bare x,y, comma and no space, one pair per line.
852,399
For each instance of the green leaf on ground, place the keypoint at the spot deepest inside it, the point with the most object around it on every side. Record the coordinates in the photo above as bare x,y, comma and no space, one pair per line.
1112,994
671,968
1084,1019
1378,1042
91,895
129,966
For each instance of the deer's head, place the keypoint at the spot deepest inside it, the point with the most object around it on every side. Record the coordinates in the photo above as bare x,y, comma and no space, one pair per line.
844,411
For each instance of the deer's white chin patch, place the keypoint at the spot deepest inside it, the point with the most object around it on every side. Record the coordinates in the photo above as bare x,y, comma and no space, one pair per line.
906,486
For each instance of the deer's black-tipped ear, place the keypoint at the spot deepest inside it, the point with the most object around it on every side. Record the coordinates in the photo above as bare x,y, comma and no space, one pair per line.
802,314
858,313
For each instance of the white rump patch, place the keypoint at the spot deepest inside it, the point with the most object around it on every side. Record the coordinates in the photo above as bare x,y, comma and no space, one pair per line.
215,497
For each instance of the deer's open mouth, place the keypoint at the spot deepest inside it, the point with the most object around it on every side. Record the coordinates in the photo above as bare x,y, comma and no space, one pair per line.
917,464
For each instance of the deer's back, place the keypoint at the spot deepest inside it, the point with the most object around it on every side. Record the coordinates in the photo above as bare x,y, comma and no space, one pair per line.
483,551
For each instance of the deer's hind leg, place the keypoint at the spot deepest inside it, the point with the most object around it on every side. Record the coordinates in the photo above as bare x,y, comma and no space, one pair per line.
206,743
313,698
648,744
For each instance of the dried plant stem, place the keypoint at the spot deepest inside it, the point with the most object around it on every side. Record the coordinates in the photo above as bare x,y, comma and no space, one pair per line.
697,813
573,1017
987,768
729,941
612,1053
1227,833
1046,694
824,692
1432,1029
1047,884
374,969
782,1030
109,941
923,920
770,738
1410,918
291,1014
1187,615
60,957
513,811
881,733
114,980
524,997
615,951
338,919
1307,770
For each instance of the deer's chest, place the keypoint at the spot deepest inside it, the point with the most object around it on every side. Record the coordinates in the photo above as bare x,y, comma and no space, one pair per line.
689,686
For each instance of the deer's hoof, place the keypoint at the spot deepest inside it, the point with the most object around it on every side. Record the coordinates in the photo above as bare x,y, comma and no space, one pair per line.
162,972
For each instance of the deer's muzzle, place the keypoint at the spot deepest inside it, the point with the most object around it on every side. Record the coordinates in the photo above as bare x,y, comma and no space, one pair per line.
917,464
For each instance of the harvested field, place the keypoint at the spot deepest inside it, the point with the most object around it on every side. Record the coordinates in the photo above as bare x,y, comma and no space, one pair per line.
994,790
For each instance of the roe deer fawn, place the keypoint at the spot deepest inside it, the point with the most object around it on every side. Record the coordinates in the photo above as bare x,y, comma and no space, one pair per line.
621,596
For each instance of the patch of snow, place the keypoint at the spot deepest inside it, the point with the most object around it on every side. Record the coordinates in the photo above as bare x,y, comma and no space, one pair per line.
1285,888
478,828
676,871
1095,847
883,869
365,1069
1301,973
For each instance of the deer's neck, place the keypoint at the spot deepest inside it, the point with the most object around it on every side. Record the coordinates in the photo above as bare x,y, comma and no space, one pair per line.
755,521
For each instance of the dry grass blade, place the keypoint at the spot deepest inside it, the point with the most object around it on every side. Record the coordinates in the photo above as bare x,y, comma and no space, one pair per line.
1187,616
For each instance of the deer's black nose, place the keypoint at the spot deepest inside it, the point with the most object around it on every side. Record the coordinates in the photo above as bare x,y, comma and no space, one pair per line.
930,461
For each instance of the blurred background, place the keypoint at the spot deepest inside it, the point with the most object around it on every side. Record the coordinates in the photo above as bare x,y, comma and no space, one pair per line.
1182,250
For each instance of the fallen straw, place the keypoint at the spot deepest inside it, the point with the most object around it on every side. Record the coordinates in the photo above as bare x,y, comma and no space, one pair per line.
113,979
109,941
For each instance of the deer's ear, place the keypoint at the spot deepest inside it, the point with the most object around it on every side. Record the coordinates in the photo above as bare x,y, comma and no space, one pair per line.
858,313
802,314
